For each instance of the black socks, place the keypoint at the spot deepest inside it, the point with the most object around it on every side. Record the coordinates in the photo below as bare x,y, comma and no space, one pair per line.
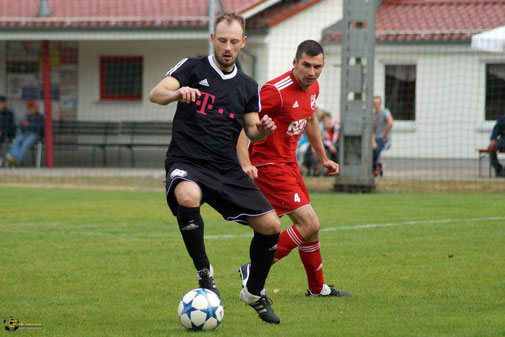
262,253
191,227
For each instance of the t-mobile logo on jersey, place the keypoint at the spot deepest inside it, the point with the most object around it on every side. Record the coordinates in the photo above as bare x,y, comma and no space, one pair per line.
206,101
203,102
296,127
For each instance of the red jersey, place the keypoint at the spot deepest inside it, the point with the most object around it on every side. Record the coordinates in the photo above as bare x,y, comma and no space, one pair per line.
283,100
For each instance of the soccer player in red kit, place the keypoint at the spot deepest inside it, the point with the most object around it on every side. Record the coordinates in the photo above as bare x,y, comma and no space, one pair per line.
290,100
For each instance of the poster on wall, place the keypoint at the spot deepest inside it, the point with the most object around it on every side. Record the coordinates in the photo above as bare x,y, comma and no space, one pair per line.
24,77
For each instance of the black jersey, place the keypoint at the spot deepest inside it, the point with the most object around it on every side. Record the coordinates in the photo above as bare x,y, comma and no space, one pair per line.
205,132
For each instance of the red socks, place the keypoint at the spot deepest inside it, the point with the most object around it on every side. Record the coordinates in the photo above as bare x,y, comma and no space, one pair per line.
289,239
310,255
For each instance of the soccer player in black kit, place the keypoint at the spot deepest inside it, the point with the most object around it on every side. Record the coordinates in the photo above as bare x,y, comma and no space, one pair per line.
215,101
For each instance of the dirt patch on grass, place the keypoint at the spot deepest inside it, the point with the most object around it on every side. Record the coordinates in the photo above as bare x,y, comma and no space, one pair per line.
388,185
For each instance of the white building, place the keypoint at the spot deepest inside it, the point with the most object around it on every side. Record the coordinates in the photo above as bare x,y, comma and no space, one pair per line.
93,50
444,96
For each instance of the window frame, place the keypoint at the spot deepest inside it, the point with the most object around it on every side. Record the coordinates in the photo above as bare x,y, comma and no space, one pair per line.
385,99
486,106
104,61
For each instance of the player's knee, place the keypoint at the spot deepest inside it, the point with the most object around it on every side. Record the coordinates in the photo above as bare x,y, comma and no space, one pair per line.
267,224
276,225
187,195
272,225
312,227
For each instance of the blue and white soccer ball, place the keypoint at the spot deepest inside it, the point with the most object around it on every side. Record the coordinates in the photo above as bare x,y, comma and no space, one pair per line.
200,309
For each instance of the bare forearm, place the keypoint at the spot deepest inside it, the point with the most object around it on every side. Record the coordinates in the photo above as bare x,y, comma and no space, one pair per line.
257,129
242,145
254,134
314,136
161,95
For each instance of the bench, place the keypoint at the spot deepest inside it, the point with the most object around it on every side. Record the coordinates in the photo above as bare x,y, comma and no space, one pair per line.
98,135
483,153
141,134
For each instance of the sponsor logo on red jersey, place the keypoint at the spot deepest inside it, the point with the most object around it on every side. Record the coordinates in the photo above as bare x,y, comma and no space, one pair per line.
296,127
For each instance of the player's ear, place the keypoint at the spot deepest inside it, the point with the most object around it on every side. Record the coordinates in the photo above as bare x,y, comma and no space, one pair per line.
294,61
244,40
212,37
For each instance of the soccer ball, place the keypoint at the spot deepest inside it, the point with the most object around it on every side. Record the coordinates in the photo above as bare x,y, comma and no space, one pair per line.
200,309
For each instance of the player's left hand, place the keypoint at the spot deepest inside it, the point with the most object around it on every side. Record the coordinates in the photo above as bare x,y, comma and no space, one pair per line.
266,125
331,166
251,171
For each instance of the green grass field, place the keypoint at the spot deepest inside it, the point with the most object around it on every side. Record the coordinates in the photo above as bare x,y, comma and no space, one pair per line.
111,263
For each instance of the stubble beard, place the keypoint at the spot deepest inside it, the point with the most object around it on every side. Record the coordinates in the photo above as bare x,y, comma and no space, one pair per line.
223,63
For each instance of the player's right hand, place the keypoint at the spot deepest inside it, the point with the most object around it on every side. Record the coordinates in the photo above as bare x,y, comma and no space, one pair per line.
266,125
251,171
187,94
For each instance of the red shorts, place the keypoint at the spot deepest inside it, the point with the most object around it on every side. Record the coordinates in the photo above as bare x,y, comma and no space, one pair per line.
283,186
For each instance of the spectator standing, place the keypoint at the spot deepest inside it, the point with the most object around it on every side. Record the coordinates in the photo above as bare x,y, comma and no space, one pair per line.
497,143
382,125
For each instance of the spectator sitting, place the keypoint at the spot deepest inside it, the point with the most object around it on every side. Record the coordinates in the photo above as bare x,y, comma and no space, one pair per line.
319,115
498,143
302,147
331,136
32,130
7,125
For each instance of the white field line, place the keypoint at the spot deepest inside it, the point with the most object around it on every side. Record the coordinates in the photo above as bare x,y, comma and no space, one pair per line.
409,223
365,226
247,235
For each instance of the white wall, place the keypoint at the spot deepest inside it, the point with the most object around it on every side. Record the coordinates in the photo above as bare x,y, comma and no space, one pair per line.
159,57
276,50
450,98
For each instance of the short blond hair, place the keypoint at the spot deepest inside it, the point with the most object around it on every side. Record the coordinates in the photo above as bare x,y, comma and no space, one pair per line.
230,17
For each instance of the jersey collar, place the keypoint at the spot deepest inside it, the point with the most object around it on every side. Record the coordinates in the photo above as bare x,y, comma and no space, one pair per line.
220,72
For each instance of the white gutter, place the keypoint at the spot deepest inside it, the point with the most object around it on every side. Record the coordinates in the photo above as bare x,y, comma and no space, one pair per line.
98,34
261,7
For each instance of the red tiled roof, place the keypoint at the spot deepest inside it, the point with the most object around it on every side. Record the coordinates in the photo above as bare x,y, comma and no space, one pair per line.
22,14
278,13
431,20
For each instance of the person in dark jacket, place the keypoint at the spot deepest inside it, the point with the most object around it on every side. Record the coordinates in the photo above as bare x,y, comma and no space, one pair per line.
7,125
32,130
497,142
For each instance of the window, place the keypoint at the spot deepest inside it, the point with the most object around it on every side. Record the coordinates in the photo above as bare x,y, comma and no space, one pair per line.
495,91
401,91
121,77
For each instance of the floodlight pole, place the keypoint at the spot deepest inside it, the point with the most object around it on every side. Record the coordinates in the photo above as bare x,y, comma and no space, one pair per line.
356,97
212,16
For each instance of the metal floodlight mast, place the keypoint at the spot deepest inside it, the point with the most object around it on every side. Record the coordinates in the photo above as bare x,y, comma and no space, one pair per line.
356,97
44,9
212,16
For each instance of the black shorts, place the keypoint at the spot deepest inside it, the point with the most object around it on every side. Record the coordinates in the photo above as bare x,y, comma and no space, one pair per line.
233,194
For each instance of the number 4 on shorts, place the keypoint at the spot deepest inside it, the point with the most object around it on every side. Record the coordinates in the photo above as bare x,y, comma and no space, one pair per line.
297,197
